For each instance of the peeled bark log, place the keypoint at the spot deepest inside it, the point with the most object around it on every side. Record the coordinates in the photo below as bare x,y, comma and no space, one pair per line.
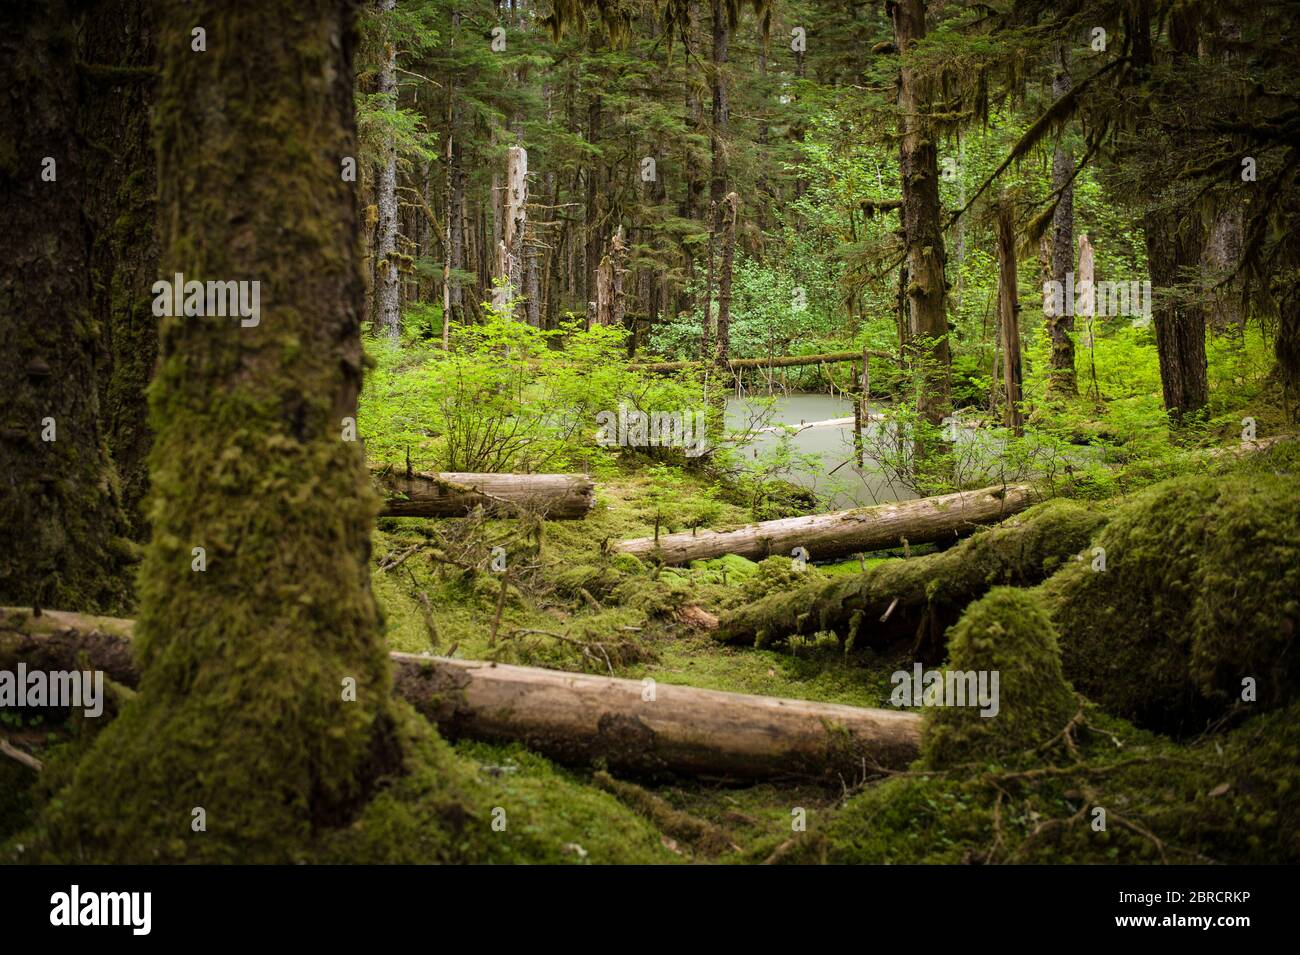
842,533
570,717
578,718
456,493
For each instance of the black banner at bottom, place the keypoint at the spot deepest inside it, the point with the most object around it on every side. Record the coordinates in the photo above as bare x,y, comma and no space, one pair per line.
335,904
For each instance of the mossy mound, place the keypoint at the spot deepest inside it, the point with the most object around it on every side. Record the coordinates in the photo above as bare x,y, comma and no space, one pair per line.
729,569
775,575
779,499
1230,799
1200,590
479,803
656,597
1006,634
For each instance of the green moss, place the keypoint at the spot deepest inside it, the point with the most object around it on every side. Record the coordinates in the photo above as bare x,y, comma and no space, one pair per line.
443,809
916,599
729,568
1006,633
1229,799
1201,589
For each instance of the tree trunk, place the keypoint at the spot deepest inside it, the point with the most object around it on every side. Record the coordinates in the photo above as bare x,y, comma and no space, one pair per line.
722,345
245,645
60,514
119,88
390,318
1062,379
843,533
1174,246
1009,314
719,122
634,726
457,493
918,165
510,249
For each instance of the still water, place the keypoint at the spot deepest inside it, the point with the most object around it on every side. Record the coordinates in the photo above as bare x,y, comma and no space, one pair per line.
824,459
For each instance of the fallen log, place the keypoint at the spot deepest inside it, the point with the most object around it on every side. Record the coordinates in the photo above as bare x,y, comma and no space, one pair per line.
457,493
779,361
843,533
634,726
913,601
649,729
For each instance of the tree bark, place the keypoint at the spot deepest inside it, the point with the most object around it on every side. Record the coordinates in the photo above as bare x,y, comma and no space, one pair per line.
60,513
1174,247
634,726
731,209
919,169
119,80
843,533
457,493
243,653
390,318
1009,314
1062,379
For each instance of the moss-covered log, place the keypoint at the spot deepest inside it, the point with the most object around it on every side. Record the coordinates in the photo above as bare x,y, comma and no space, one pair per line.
571,717
843,533
916,599
457,493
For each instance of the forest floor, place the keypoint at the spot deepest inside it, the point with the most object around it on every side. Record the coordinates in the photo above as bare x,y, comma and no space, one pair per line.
631,614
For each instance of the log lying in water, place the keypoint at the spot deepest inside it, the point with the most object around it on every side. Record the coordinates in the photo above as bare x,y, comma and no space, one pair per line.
844,533
780,361
457,493
634,726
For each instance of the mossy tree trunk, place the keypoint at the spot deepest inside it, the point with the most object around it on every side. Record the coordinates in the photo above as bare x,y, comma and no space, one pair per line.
118,90
1009,317
249,665
1061,327
919,168
1174,247
60,514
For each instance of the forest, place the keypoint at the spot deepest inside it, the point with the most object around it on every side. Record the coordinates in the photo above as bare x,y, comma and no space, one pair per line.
650,431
